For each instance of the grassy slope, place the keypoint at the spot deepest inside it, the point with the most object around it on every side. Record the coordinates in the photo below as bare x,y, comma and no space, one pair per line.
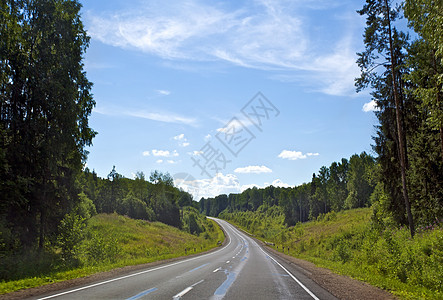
346,243
114,241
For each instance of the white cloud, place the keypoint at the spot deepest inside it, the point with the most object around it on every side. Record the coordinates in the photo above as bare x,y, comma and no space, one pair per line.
294,155
279,183
164,153
262,34
276,183
235,124
159,161
170,161
179,137
219,184
370,106
162,117
195,153
182,141
164,92
146,153
253,169
207,137
167,117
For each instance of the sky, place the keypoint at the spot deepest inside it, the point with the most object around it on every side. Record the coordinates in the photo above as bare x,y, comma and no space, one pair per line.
225,95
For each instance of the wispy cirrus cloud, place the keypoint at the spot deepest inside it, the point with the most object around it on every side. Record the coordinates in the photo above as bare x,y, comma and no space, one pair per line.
253,169
267,35
163,92
161,116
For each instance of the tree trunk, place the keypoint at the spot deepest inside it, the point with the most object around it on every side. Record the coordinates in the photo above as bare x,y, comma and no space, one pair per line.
400,133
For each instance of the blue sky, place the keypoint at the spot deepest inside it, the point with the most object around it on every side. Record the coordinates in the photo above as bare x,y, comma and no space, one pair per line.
173,78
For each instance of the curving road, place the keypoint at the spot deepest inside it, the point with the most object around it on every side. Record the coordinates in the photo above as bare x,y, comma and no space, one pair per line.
240,270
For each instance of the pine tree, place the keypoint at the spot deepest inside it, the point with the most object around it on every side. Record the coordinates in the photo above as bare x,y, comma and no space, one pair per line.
383,48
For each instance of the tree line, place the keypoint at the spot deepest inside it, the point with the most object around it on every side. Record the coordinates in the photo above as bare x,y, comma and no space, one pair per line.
343,185
153,199
404,183
45,104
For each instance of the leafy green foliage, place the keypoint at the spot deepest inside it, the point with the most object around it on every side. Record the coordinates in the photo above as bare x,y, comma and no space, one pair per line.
45,105
137,198
100,249
347,184
350,243
69,237
359,181
405,81
85,207
193,221
108,241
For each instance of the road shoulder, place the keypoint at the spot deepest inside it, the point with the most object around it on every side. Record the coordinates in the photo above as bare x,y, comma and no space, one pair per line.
340,286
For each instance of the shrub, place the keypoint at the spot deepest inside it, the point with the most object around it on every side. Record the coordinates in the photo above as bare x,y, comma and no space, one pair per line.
101,250
70,236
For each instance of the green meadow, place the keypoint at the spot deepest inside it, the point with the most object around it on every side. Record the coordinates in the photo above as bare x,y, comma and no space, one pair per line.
112,241
353,244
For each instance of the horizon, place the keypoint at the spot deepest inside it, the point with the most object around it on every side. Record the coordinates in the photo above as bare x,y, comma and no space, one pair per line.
169,79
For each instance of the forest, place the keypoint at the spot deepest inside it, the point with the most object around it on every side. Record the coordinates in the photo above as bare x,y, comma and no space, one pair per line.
344,185
403,182
47,194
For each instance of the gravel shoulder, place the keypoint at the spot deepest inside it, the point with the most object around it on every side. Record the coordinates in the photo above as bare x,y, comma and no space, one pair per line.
340,286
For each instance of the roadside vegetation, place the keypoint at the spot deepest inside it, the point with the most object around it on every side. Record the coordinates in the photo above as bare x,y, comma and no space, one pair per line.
376,218
109,241
56,215
355,244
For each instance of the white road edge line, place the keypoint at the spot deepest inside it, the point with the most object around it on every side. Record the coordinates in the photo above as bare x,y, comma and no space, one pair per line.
216,270
135,274
289,273
182,293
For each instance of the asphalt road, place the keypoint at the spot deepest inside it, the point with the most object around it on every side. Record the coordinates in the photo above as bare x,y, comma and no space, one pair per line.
240,270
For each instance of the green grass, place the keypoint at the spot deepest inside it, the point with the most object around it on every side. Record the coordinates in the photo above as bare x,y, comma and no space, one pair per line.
113,241
348,244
